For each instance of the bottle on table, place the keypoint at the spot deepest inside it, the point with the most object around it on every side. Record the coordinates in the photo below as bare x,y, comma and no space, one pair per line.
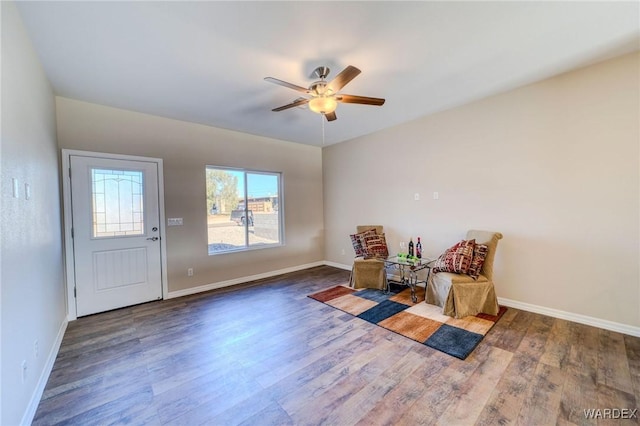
419,249
410,247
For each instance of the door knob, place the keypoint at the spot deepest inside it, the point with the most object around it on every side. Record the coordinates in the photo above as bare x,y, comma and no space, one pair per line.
153,238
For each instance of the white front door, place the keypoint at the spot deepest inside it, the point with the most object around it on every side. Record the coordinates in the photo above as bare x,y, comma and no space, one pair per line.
116,233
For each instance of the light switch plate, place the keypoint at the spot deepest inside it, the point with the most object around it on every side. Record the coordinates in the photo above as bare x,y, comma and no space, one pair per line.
174,221
16,188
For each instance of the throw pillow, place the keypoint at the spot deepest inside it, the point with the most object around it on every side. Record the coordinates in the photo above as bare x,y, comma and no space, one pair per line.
479,255
376,246
456,259
357,240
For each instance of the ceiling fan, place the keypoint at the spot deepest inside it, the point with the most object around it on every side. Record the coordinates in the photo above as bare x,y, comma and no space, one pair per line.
324,94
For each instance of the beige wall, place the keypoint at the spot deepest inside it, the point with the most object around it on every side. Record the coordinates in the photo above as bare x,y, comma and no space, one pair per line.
33,306
554,166
186,149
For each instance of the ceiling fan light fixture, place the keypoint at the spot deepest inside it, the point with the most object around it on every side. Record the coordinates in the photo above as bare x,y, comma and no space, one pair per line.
323,104
323,96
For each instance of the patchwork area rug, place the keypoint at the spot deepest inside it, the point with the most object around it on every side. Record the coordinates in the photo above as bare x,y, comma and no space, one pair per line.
420,321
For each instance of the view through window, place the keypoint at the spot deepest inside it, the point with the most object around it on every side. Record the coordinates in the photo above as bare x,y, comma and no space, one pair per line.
243,209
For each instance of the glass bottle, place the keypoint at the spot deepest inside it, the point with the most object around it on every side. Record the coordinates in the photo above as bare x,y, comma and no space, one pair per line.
419,249
410,247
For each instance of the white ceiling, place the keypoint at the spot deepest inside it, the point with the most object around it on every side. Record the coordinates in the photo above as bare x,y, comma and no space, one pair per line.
205,62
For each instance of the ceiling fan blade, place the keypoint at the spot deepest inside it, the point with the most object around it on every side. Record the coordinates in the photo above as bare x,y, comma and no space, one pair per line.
286,84
341,80
331,116
352,99
295,103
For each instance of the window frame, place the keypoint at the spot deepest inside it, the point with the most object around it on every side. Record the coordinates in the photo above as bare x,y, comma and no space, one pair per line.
280,211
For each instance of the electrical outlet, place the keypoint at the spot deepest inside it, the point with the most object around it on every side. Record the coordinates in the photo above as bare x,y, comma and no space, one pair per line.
190,272
416,196
35,349
24,370
436,196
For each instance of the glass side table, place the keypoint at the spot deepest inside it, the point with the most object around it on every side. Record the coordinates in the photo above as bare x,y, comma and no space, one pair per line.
409,272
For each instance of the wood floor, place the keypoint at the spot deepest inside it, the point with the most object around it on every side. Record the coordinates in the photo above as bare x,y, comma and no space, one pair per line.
265,354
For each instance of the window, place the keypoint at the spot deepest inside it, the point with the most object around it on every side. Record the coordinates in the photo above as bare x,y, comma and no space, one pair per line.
244,209
117,202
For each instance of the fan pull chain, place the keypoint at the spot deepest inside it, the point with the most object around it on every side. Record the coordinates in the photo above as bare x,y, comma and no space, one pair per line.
322,119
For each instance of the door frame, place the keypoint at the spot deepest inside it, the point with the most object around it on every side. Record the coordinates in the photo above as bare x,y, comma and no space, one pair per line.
69,268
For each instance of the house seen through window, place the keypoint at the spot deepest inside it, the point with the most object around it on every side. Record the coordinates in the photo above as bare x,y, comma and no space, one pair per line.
244,209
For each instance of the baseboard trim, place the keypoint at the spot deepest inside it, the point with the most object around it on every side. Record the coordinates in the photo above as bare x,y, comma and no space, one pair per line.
241,280
338,265
569,316
30,412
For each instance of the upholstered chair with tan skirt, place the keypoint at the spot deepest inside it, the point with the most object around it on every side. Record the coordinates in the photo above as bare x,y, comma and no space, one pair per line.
460,295
368,273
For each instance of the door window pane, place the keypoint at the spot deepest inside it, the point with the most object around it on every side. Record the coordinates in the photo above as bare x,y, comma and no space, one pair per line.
117,202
